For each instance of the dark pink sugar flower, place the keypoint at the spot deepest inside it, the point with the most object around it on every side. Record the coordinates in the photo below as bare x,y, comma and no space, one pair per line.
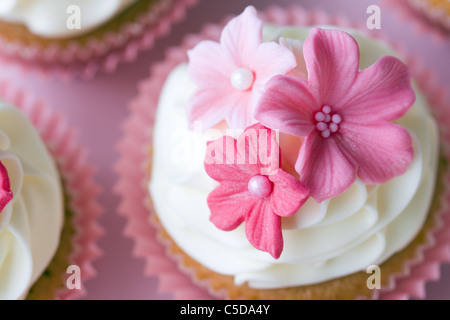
253,188
230,75
6,193
345,114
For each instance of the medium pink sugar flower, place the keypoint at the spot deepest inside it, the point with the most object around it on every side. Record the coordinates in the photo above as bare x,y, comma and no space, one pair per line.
252,189
6,193
230,75
345,114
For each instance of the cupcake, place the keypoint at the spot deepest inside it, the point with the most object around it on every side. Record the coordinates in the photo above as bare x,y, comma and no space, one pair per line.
428,16
286,160
48,227
81,37
436,11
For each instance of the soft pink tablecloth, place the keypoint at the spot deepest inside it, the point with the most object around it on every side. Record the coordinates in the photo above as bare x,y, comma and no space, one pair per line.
97,108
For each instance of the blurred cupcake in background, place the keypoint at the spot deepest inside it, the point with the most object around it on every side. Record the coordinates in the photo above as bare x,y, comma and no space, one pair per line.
437,11
80,37
429,16
49,208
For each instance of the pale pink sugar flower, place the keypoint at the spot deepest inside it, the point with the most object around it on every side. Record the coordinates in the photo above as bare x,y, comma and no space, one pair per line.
230,75
345,114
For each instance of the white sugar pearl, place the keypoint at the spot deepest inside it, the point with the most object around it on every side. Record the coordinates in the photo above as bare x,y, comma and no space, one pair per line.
319,116
333,127
336,118
326,109
326,133
242,79
321,126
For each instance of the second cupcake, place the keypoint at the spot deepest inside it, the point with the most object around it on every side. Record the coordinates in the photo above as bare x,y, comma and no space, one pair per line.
82,37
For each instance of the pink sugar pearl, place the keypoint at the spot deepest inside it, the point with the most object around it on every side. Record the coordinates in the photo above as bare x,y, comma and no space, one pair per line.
260,186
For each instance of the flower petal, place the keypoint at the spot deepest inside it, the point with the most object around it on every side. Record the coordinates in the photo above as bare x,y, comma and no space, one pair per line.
287,105
382,151
255,152
332,61
281,61
258,146
221,162
208,65
230,204
381,92
6,194
212,105
288,194
263,229
240,114
241,36
324,167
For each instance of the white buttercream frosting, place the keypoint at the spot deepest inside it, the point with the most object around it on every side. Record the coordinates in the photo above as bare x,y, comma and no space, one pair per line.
362,227
30,225
49,18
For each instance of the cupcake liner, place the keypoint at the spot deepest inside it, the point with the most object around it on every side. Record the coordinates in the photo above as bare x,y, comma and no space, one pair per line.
422,24
134,147
96,56
77,175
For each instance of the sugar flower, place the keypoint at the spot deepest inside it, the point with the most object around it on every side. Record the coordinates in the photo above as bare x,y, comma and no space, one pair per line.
253,189
6,194
345,114
230,75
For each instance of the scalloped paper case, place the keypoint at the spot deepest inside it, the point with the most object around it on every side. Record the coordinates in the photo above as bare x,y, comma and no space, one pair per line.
135,144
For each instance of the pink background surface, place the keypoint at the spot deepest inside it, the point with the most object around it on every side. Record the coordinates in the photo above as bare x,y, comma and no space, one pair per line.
97,108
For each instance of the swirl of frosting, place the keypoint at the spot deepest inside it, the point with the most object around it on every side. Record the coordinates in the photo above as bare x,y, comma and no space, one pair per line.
30,225
364,226
48,18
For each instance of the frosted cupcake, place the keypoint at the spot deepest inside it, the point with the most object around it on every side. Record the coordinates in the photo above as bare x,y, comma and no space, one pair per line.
48,204
293,163
427,16
82,37
436,11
